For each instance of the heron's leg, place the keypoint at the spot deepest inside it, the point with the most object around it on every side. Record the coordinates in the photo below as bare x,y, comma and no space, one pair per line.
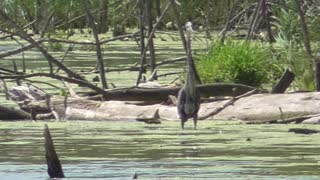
195,118
183,120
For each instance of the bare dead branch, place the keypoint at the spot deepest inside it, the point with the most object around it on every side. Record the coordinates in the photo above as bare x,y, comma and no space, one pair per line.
58,77
25,36
230,102
149,39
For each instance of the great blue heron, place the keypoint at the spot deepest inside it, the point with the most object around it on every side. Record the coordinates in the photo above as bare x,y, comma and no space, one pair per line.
188,97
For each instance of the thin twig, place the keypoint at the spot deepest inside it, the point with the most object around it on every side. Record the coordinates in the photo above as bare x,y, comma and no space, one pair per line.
65,55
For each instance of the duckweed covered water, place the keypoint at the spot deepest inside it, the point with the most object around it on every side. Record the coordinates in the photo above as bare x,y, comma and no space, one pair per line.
117,150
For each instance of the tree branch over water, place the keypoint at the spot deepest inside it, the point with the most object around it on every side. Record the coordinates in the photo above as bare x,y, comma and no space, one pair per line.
58,77
25,36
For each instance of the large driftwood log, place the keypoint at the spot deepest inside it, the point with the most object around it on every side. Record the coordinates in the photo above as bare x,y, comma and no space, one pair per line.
38,103
258,108
161,94
246,109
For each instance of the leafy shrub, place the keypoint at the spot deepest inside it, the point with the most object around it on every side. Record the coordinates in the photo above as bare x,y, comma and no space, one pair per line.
237,61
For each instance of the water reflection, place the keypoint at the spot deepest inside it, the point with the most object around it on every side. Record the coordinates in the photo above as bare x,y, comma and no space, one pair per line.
117,150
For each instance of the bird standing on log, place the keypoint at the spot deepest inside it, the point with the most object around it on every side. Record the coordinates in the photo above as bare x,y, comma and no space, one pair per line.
188,97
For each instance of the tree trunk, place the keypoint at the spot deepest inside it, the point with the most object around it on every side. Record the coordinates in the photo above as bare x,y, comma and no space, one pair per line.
307,44
150,28
143,56
254,20
103,16
143,48
317,72
304,28
98,48
158,9
228,23
267,20
141,20
29,17
42,13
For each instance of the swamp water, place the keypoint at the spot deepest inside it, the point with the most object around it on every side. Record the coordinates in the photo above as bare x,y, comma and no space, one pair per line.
117,150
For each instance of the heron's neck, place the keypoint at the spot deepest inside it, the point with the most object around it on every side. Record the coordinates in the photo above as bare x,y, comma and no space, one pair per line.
189,53
190,81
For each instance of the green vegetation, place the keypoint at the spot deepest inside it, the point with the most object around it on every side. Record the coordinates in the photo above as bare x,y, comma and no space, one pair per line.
256,64
119,149
289,45
238,61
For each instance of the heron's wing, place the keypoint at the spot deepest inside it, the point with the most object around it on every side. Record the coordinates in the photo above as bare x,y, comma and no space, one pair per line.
181,102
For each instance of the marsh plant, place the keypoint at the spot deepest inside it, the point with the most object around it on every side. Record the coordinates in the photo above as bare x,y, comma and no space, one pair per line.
290,48
242,62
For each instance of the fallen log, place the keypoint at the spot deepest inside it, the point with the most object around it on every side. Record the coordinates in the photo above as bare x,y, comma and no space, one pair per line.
161,94
10,113
145,94
257,108
303,131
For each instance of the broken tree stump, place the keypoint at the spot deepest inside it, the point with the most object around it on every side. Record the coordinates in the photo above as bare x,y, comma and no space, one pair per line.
285,81
53,162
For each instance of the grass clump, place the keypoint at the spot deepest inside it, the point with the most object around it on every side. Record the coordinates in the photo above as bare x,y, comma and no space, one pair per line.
241,62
